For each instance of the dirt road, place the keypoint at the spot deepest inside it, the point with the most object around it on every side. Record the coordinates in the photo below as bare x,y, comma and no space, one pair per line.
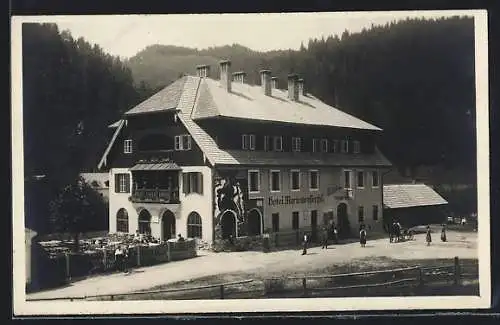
463,245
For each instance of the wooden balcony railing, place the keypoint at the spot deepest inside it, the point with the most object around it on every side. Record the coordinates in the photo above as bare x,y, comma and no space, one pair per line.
155,196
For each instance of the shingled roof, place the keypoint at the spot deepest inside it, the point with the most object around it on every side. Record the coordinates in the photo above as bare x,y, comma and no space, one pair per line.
410,195
195,98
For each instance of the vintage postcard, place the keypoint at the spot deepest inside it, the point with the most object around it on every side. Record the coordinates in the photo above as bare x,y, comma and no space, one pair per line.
251,162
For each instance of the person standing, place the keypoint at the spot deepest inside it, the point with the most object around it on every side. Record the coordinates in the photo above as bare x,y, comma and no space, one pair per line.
304,244
335,235
362,237
324,237
125,259
443,234
119,258
428,237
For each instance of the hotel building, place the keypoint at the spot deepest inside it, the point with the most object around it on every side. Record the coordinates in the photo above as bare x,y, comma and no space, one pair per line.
208,158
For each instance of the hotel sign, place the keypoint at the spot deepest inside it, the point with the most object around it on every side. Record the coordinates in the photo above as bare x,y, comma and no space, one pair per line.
288,200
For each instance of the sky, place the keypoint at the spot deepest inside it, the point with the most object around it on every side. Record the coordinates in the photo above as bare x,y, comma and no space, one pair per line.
125,35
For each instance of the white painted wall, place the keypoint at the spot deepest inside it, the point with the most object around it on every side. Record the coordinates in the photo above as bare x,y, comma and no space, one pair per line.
190,202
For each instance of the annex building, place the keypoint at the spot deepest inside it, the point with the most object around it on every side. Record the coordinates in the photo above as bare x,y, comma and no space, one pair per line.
212,158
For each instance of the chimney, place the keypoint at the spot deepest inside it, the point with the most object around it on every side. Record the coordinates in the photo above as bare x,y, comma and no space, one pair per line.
265,81
225,74
274,82
239,76
301,87
203,71
293,91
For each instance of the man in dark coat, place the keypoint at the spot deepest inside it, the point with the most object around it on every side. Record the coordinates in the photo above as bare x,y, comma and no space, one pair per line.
324,237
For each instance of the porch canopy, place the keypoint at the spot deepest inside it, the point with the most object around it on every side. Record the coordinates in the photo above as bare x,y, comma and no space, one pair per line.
156,166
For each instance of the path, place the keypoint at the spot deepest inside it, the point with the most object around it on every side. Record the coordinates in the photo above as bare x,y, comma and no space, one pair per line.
462,245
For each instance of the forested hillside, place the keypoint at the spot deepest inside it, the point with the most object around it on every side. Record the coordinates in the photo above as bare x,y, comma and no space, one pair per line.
71,91
413,78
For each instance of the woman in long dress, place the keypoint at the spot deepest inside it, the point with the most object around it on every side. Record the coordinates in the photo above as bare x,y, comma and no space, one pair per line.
443,234
362,237
428,237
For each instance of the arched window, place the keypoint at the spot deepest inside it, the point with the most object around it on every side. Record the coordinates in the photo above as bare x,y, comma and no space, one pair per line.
122,220
155,141
144,222
194,225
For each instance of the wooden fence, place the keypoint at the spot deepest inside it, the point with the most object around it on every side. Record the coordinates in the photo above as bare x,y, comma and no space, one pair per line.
415,280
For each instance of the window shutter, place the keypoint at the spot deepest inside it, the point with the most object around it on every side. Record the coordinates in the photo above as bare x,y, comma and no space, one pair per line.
200,183
127,183
117,183
185,181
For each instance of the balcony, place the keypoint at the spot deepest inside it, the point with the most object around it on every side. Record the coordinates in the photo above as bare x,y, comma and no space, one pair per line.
155,196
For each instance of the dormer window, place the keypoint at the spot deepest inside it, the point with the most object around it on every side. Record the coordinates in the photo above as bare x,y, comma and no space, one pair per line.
356,147
127,146
324,145
278,143
182,142
296,144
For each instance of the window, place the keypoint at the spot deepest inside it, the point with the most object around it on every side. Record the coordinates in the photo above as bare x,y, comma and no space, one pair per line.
295,220
253,181
313,179
375,212
361,179
267,144
248,141
356,147
315,145
275,181
344,146
296,144
127,146
276,222
278,144
122,220
324,145
252,141
347,179
122,183
182,142
192,182
361,214
194,225
374,178
244,141
335,146
295,179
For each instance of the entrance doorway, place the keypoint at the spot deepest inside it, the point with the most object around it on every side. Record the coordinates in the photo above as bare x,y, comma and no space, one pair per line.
145,222
254,222
343,221
314,225
168,225
228,224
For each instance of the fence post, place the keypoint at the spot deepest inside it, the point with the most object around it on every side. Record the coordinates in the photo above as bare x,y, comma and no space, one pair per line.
222,291
138,253
304,286
169,257
105,259
457,271
68,271
420,277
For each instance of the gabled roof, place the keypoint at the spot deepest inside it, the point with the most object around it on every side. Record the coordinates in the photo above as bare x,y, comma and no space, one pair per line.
245,101
410,195
195,98
165,99
102,162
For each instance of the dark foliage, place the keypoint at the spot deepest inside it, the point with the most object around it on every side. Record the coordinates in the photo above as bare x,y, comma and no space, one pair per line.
413,78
